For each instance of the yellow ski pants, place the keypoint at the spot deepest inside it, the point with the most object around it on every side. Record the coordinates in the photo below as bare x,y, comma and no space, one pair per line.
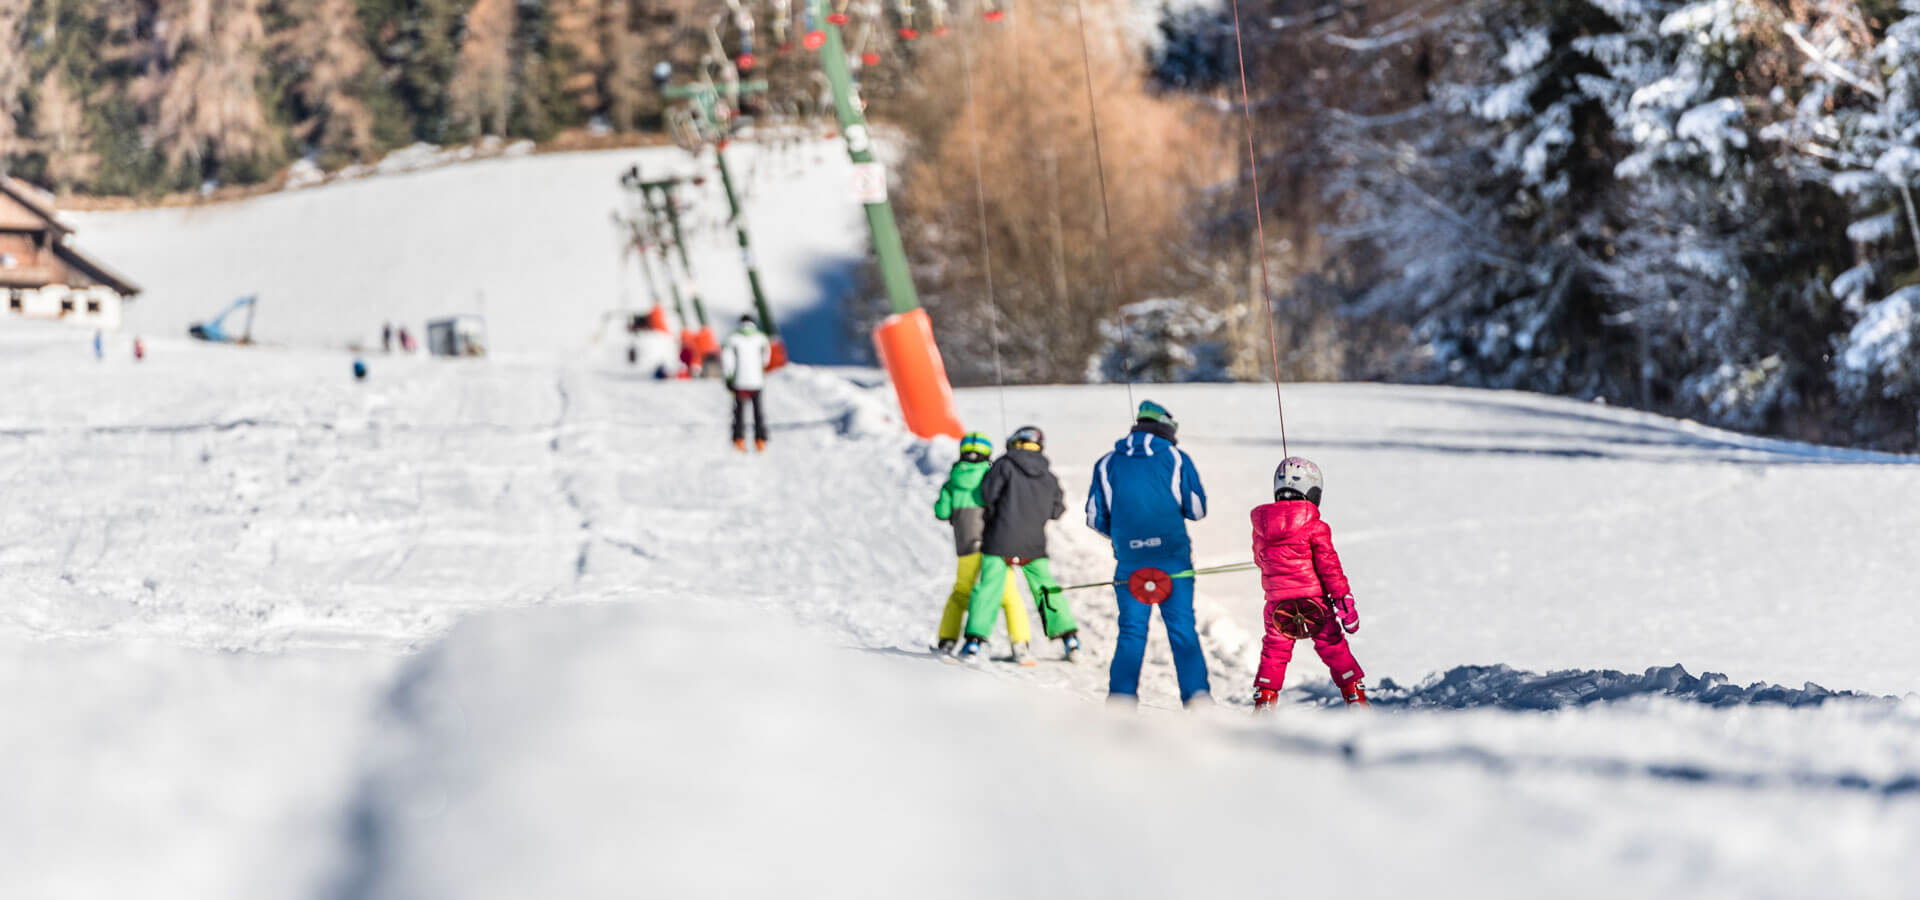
967,573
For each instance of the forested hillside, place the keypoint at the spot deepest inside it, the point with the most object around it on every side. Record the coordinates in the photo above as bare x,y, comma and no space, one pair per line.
1699,207
145,96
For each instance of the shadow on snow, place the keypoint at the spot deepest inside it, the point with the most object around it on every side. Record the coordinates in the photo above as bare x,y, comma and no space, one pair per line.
1507,688
821,333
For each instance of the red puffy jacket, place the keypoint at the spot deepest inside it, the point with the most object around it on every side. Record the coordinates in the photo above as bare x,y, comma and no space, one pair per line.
1294,550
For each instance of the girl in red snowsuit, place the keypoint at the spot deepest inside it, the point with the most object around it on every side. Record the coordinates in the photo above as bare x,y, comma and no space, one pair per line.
1307,593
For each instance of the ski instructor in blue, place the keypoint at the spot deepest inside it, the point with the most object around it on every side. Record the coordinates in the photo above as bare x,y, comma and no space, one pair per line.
1142,497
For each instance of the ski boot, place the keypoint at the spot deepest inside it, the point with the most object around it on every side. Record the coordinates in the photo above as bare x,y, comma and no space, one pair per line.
944,647
972,650
1071,643
760,445
740,444
1022,655
1264,699
1355,694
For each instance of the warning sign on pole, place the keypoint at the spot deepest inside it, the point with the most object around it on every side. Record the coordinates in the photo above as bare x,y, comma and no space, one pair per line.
870,182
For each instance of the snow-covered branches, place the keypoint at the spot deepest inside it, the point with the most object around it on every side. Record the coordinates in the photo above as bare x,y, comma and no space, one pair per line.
1878,354
1162,340
1690,204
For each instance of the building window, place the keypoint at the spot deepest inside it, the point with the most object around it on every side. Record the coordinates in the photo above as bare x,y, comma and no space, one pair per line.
93,306
9,261
16,300
66,305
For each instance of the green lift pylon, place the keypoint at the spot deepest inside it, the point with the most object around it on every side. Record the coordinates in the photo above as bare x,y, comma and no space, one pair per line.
905,340
664,210
887,246
641,236
746,246
705,97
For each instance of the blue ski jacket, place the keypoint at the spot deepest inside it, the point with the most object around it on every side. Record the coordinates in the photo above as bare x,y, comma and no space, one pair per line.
1142,496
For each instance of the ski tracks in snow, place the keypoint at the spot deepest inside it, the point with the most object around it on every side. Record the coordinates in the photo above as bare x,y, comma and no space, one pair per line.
367,520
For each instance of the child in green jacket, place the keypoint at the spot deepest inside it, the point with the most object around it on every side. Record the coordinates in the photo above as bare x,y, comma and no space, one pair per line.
959,504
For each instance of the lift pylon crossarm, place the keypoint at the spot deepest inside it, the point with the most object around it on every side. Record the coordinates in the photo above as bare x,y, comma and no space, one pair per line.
710,102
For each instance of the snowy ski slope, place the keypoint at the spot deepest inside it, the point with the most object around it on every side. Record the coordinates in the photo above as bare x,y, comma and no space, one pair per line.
526,241
529,627
1489,527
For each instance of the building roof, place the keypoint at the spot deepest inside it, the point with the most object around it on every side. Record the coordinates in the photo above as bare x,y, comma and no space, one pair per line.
31,209
24,207
95,270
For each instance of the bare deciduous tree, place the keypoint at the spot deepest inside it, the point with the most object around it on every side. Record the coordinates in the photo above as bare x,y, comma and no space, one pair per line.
627,86
482,89
328,50
1055,273
13,71
581,36
60,124
209,108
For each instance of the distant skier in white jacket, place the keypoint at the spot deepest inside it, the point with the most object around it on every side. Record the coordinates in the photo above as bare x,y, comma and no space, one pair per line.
743,361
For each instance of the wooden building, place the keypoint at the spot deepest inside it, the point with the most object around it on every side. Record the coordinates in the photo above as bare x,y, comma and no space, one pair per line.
41,274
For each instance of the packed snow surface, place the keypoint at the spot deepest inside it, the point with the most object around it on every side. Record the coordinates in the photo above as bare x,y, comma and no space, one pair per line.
529,626
528,242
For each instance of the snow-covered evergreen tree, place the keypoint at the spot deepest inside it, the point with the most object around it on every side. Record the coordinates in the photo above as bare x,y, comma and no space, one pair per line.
1857,129
1162,340
1687,205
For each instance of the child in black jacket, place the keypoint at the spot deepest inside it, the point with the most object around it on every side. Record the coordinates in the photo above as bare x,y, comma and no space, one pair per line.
1021,496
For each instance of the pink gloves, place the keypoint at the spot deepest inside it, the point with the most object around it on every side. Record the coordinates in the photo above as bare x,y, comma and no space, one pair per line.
1343,609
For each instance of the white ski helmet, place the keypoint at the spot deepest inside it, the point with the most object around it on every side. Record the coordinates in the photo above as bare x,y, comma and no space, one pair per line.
1299,479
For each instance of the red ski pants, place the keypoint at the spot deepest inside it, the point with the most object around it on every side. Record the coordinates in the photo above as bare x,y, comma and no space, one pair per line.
1328,641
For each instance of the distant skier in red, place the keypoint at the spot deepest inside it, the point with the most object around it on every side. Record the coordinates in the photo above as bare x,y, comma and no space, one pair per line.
1307,592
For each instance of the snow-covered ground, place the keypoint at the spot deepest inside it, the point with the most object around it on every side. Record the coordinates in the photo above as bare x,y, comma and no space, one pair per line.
1488,527
528,242
530,627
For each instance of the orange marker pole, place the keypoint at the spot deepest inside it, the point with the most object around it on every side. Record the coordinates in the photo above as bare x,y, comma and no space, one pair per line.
912,360
905,339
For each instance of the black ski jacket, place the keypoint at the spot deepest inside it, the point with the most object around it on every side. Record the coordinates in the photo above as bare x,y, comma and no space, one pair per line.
1021,496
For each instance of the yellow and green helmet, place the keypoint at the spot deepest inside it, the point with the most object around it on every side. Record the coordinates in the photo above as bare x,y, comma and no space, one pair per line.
976,447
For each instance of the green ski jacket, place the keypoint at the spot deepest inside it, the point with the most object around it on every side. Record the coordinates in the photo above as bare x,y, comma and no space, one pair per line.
959,503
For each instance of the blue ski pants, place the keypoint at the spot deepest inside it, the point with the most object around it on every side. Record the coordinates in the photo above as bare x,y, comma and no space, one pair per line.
1189,663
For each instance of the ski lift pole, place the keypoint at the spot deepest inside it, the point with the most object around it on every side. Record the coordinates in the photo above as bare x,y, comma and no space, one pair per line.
706,98
651,235
653,289
673,289
905,339
746,247
646,269
632,181
686,262
894,273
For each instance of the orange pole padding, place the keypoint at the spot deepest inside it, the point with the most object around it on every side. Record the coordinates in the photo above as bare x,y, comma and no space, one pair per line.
657,320
705,345
779,355
912,360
